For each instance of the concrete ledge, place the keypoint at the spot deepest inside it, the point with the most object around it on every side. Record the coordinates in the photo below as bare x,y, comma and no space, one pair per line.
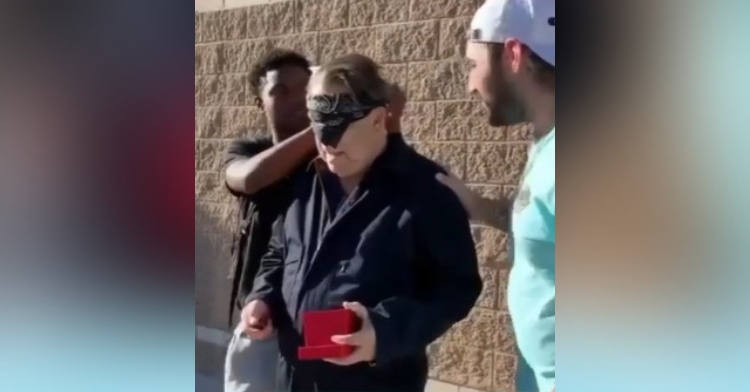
213,336
208,5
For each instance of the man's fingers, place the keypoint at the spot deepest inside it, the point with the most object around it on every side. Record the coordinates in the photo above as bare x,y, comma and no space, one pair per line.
256,323
445,167
358,309
345,340
356,339
259,333
447,180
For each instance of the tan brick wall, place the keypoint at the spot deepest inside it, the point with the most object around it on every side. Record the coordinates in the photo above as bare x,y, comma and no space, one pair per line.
420,43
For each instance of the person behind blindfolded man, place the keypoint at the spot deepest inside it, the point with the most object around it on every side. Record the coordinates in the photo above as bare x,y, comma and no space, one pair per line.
369,230
256,175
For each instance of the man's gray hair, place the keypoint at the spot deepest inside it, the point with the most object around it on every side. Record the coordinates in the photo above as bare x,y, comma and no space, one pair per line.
357,73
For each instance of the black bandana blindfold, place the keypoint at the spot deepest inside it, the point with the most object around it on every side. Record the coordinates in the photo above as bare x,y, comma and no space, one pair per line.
332,114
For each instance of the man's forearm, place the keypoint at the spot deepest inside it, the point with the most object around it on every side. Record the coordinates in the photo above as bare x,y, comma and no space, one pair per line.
493,213
254,174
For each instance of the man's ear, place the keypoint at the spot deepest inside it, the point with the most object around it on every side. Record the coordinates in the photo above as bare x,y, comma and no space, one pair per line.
258,103
514,49
380,118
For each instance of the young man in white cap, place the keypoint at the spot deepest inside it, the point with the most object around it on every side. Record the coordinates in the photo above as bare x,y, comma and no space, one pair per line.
511,52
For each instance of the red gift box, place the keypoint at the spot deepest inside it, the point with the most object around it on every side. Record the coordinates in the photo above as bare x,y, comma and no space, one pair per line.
320,326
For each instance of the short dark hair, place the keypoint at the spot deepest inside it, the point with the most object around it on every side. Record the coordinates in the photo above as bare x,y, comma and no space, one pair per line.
543,71
359,74
273,61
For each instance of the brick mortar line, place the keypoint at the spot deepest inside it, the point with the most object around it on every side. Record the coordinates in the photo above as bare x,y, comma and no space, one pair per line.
453,100
470,183
454,142
294,15
343,29
412,100
381,63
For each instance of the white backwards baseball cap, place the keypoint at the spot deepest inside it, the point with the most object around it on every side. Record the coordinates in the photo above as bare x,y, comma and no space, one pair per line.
529,21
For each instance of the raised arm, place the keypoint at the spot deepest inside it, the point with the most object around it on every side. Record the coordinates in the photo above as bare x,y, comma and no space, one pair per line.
248,172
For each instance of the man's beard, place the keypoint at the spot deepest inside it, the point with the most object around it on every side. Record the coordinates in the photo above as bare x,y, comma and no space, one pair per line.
506,107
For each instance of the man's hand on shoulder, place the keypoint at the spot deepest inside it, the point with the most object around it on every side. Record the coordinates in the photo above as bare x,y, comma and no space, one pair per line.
493,212
257,167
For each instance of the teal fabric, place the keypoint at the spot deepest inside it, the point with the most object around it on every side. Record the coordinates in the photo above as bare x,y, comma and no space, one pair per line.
531,286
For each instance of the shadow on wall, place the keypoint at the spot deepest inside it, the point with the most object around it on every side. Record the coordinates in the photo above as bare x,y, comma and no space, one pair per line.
214,223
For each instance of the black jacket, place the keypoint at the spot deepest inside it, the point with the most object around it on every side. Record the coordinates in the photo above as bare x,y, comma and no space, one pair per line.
402,247
257,213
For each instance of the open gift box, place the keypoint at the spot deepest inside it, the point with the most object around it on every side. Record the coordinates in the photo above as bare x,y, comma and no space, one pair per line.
320,326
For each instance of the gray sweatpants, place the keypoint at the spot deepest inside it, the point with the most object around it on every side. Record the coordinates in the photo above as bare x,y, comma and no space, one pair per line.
250,365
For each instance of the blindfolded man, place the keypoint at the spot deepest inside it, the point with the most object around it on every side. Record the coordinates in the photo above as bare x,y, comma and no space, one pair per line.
368,230
258,172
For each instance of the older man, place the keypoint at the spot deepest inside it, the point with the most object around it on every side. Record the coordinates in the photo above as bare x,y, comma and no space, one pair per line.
257,172
369,230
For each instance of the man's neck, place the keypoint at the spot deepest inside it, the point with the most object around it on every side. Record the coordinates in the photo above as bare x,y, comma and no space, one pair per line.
542,111
279,136
348,184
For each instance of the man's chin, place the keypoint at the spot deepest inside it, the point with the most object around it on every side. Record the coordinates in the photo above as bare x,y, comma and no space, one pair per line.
497,121
500,118
494,115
